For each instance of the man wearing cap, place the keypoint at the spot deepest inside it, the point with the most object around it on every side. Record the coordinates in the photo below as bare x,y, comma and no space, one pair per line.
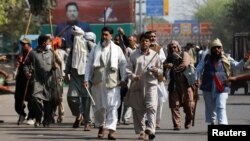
215,69
23,86
90,39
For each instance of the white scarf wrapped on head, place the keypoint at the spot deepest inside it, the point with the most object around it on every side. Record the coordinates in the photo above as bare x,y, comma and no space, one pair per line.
80,51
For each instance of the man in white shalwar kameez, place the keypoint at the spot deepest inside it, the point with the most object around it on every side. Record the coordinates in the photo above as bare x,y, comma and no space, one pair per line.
143,96
105,62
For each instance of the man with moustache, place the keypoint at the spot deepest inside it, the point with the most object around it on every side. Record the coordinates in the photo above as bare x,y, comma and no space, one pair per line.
215,69
105,62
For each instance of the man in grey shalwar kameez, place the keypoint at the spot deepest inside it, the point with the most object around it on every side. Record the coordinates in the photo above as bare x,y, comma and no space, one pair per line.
42,62
143,68
105,62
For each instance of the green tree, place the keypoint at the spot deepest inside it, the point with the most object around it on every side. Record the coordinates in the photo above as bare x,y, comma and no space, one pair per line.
228,17
14,18
215,11
238,16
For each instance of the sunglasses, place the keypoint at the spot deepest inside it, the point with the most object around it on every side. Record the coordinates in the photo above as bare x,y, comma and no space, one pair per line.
216,47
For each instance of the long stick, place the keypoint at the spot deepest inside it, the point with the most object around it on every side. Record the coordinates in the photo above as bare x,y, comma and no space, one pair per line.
50,22
26,89
148,64
133,82
90,95
28,25
195,104
25,34
63,31
132,85
51,32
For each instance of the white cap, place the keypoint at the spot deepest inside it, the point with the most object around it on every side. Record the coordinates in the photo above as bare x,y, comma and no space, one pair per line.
90,36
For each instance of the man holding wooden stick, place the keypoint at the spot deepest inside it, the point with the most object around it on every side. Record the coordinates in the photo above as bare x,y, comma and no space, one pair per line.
143,69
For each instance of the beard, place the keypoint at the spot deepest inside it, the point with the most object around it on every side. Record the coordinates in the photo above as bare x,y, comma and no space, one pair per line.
216,56
105,42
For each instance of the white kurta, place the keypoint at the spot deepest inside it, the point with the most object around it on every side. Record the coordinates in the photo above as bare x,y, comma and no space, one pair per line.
142,96
107,99
161,90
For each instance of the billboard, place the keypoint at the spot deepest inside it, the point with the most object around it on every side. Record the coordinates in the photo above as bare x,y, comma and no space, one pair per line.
186,28
206,28
92,11
165,28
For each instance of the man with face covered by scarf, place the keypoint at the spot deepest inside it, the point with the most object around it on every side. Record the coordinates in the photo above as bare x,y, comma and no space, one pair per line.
215,69
180,93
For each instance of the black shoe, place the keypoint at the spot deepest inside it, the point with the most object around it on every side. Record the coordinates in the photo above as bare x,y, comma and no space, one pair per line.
53,121
46,124
20,120
150,134
177,128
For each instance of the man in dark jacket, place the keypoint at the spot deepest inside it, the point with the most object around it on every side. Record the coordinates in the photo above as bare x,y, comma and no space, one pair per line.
23,86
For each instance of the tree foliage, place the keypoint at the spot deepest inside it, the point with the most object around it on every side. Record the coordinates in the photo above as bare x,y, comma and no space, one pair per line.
217,12
211,10
238,15
14,17
227,16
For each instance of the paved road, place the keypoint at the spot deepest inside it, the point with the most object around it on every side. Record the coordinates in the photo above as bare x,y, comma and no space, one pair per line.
238,113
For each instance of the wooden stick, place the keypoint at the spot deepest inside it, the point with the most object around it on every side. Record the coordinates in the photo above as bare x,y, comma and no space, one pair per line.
133,82
28,25
26,90
90,95
147,64
50,22
25,34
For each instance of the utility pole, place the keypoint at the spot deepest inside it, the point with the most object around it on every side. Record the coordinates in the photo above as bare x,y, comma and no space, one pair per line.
140,14
152,23
104,16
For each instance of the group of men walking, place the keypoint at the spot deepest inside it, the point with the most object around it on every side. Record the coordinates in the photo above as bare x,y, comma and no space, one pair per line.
105,75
